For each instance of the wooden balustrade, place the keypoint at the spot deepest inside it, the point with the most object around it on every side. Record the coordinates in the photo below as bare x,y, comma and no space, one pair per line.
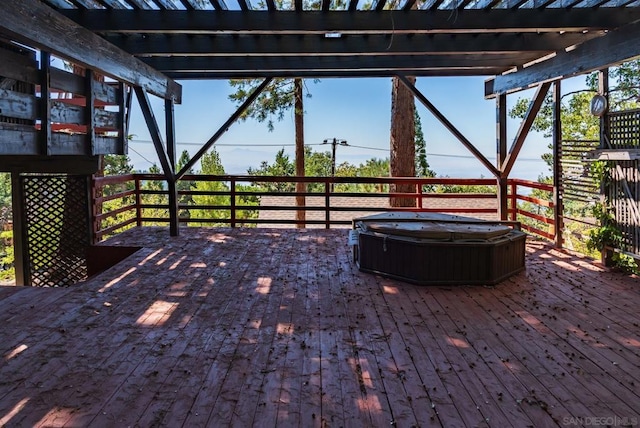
331,202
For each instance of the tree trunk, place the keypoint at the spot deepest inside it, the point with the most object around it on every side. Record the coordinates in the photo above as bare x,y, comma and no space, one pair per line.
402,162
299,125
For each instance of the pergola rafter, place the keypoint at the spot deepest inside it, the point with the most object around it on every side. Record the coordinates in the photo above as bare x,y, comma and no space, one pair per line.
358,22
613,48
268,45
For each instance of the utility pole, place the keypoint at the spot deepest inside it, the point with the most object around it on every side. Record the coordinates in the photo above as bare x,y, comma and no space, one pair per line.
334,142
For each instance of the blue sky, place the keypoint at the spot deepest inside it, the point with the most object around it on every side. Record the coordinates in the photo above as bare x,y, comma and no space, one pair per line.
356,110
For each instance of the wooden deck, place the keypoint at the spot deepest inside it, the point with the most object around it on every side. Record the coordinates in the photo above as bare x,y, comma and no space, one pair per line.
259,327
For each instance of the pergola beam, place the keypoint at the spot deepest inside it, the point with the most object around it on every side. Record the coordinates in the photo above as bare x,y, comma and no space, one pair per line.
336,73
266,64
355,22
316,45
33,23
456,133
613,48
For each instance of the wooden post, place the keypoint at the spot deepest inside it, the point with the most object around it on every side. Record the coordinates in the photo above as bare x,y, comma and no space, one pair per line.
514,201
123,122
174,225
301,186
90,111
501,155
603,89
327,203
174,220
558,207
45,103
233,202
20,247
138,202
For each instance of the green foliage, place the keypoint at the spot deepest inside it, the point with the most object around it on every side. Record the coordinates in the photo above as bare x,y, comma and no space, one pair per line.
625,263
318,164
6,248
156,200
608,233
464,188
7,269
277,98
282,166
5,189
211,165
117,165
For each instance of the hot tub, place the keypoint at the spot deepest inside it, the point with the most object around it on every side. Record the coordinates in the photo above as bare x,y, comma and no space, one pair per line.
431,248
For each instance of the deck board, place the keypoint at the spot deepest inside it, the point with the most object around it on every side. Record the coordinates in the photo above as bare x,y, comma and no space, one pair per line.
266,327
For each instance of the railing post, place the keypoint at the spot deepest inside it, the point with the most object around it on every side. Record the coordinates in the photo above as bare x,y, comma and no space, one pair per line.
503,197
233,202
138,202
514,201
328,185
174,216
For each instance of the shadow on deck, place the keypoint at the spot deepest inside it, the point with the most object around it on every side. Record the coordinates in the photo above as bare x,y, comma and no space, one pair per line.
258,327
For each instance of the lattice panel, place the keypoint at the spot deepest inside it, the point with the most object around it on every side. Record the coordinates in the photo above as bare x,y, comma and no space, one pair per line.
622,203
624,129
624,189
57,228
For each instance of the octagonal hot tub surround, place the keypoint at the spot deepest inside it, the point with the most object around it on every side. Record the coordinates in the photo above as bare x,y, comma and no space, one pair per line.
432,248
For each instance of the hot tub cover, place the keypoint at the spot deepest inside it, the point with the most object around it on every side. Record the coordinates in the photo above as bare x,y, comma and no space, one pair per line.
431,226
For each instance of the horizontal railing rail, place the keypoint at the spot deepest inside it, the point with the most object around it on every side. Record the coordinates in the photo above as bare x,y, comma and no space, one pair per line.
242,200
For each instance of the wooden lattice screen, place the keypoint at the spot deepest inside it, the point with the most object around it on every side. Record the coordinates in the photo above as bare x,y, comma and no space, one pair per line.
624,190
56,225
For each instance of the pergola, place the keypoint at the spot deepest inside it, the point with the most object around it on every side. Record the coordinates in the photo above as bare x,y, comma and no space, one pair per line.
267,327
144,46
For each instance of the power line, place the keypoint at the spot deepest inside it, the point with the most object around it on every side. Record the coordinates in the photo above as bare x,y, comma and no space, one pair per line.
227,144
139,154
445,155
369,148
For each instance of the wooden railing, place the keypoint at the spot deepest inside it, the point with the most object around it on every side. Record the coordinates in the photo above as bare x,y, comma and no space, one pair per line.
538,214
123,201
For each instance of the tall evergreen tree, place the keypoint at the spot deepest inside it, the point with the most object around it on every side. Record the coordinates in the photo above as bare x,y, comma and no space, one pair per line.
280,96
422,165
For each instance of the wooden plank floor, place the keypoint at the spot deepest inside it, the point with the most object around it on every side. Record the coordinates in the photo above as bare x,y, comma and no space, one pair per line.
259,327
